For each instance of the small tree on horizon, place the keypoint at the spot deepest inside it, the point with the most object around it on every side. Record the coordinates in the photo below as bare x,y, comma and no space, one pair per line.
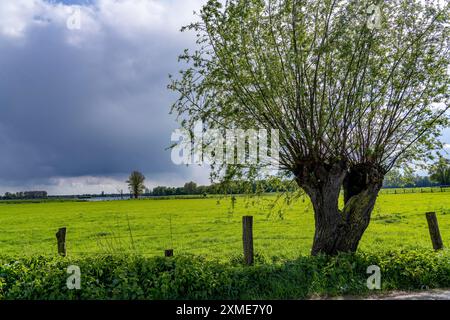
190,187
136,183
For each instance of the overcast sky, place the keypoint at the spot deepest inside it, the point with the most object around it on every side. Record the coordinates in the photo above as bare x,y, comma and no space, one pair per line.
82,107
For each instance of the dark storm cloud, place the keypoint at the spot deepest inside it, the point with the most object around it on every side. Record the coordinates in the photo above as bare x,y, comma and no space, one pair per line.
94,105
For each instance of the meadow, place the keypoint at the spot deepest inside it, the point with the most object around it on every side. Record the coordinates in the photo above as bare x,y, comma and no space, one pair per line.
207,227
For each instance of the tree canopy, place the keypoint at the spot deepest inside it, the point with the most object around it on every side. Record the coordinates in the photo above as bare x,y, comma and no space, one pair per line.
335,88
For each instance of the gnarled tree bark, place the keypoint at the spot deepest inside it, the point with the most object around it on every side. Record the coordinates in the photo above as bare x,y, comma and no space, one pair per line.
339,230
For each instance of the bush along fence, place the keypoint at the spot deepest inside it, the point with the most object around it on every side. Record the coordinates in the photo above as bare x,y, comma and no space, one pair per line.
247,238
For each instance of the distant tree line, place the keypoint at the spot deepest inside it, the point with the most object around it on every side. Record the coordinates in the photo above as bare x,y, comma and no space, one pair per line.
234,187
438,175
25,195
396,179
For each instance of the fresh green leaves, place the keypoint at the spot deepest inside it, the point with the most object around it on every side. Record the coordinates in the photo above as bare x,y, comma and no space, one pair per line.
334,88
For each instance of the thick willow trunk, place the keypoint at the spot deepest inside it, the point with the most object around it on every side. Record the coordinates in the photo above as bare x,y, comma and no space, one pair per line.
340,230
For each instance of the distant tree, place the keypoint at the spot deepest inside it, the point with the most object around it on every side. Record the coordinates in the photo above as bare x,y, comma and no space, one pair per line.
393,179
136,183
159,191
9,195
422,182
440,171
120,191
190,187
179,191
408,179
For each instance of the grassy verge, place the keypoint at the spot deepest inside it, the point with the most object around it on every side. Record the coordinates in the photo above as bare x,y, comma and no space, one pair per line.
196,277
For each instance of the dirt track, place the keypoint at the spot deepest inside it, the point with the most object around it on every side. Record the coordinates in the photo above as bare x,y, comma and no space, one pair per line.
425,295
437,294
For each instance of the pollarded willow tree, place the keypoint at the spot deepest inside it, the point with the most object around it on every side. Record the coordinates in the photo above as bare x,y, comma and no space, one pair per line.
352,93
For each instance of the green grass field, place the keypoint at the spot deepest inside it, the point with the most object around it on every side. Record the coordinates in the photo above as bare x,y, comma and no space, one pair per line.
205,226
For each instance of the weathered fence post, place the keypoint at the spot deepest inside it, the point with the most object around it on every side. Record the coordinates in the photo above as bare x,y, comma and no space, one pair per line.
434,230
61,238
168,253
247,239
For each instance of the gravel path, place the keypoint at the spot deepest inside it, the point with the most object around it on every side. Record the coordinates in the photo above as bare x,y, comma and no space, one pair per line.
424,295
435,294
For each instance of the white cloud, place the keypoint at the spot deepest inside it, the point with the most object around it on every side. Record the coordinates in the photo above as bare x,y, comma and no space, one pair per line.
128,18
16,16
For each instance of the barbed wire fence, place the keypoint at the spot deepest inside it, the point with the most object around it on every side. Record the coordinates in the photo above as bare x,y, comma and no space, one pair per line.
220,237
238,240
82,241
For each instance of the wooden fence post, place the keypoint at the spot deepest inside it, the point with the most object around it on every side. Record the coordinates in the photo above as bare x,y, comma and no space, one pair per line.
247,239
168,253
61,238
434,230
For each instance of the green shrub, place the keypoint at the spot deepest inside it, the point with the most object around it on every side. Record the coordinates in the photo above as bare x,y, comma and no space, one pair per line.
195,277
